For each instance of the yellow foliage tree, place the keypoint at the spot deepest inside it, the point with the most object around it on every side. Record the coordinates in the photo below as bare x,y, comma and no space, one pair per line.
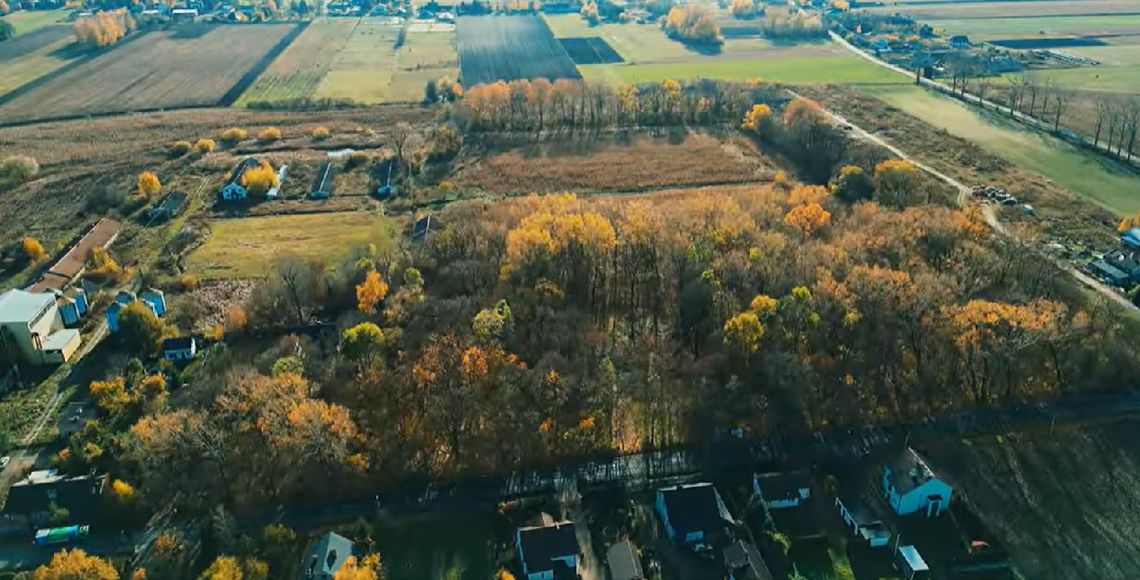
148,183
744,8
124,492
895,181
755,117
321,133
808,218
234,135
370,292
111,395
744,330
101,264
366,568
269,135
204,146
76,565
694,23
104,28
33,249
259,180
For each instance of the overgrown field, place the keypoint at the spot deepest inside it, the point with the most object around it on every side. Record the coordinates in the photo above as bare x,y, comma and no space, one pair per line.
300,69
639,164
1086,174
493,48
187,66
247,247
362,70
1062,503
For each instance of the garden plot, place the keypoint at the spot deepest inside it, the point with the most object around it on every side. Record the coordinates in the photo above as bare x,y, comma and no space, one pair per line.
494,48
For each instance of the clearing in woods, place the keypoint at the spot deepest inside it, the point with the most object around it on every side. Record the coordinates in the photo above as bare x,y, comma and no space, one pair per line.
247,247
184,67
639,163
1086,174
300,69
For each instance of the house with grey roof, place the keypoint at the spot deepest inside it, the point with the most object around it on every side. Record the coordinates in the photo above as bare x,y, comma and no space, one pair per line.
32,330
325,557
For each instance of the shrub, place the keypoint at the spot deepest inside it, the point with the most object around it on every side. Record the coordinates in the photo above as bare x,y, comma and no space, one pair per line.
180,148
204,146
188,282
19,168
693,24
269,135
33,249
321,133
234,135
260,180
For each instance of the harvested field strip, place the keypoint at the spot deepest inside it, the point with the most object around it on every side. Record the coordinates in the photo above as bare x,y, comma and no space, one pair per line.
250,75
591,50
160,70
1043,43
789,68
247,247
362,70
19,71
28,43
493,48
936,11
299,70
985,28
642,163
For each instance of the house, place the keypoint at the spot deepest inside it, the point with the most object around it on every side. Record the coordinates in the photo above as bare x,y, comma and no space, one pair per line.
234,189
1126,262
782,490
43,496
1107,272
910,486
325,557
960,41
282,172
424,227
181,349
31,329
742,561
694,515
184,14
623,562
548,552
863,522
910,564
154,299
323,185
169,206
71,266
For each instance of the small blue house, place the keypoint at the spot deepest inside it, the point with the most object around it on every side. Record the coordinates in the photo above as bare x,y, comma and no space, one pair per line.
910,486
694,515
73,305
1131,238
154,299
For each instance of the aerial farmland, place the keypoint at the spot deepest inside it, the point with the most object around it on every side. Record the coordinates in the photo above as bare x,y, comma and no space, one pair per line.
493,48
191,66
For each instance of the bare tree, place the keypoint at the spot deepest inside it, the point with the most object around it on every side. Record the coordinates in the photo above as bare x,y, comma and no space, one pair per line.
984,83
1132,107
1016,92
1102,114
402,137
1061,100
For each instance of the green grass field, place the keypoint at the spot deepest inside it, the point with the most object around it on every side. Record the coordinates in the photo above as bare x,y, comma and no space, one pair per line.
1085,174
25,21
428,545
247,247
300,69
997,28
425,56
843,69
646,43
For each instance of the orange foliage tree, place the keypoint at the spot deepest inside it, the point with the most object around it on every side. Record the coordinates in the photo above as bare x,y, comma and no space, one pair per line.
104,28
370,292
259,180
75,565
808,218
693,23
148,184
33,249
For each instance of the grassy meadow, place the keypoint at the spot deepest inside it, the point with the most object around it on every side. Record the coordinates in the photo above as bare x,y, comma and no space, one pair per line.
829,69
25,21
247,247
1086,174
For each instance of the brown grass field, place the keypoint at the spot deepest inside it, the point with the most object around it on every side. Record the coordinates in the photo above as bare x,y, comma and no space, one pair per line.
1064,504
640,164
300,69
190,66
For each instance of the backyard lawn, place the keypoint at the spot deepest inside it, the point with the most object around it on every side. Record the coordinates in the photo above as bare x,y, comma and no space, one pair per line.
428,545
1088,175
247,247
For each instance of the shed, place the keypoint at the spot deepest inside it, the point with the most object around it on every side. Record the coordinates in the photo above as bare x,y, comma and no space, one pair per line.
910,564
424,227
548,552
782,490
862,522
623,562
169,206
180,349
325,557
743,562
911,486
74,262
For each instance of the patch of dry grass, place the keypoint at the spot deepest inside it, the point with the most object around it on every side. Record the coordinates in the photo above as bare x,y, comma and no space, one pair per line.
640,164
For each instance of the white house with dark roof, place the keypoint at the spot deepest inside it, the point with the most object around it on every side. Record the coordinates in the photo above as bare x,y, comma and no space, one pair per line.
31,329
911,486
548,552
